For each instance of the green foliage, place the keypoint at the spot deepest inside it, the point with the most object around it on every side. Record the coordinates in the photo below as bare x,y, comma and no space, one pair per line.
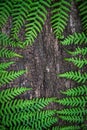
78,119
8,54
76,91
16,106
5,65
76,76
66,128
73,111
8,41
60,15
35,20
18,114
10,93
78,50
76,38
6,77
20,11
77,61
73,101
6,7
83,13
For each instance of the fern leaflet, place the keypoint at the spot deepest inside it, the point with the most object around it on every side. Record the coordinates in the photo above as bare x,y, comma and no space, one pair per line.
8,41
78,50
77,119
73,101
6,77
60,16
77,61
35,20
76,38
5,65
76,76
5,11
73,111
66,128
8,54
10,93
77,91
24,105
83,13
20,11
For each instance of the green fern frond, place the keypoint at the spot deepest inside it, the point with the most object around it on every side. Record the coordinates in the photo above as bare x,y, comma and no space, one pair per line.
76,76
8,53
34,120
35,20
6,7
83,13
76,38
10,93
55,128
2,127
66,128
8,41
6,77
73,101
78,50
20,127
77,61
77,91
20,11
5,65
60,15
77,119
73,111
24,105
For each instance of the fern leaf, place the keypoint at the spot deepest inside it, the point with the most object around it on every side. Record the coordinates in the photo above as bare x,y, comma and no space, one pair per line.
20,127
8,54
78,50
5,11
73,111
24,105
5,65
32,119
77,91
60,16
10,93
73,101
77,119
7,41
6,77
20,11
77,61
66,128
83,13
76,76
35,20
2,127
76,38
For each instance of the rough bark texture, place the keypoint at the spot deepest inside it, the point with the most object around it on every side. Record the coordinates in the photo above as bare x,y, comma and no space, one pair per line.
44,60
